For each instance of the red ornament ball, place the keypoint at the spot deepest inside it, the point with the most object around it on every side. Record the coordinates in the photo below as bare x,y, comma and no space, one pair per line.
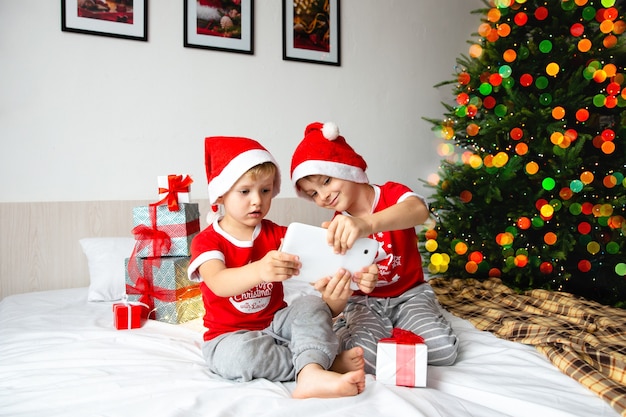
584,265
546,268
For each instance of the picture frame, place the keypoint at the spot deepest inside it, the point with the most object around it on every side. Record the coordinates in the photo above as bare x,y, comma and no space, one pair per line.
311,31
227,28
129,19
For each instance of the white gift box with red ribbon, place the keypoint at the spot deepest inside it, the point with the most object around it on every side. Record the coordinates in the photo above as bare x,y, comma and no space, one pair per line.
402,359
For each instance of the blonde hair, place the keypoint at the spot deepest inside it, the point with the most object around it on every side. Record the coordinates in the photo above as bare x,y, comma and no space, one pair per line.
266,168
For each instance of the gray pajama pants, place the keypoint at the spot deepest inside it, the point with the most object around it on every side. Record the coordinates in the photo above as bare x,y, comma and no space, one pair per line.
366,320
300,334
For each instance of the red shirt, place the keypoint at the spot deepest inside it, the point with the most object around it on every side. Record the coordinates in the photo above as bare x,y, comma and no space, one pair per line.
399,261
252,310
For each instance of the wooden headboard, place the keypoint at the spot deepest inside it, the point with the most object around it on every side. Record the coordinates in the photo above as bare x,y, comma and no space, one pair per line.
39,242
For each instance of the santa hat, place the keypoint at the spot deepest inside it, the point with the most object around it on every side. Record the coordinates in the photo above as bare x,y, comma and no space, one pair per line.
324,152
228,158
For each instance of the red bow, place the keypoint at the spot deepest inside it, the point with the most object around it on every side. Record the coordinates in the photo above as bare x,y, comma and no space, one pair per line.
143,285
149,292
403,337
161,242
176,184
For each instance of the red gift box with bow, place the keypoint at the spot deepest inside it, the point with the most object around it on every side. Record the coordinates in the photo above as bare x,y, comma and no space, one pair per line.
402,359
129,315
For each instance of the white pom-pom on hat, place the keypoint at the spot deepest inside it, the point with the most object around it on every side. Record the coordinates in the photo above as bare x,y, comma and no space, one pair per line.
330,131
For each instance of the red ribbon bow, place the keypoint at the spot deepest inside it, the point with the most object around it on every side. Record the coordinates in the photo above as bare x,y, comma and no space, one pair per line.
176,184
403,337
144,235
144,287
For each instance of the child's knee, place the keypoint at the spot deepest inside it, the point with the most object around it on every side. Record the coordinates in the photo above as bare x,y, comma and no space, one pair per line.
444,355
312,306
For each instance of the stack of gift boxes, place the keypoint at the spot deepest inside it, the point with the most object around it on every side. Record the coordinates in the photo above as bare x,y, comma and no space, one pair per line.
156,271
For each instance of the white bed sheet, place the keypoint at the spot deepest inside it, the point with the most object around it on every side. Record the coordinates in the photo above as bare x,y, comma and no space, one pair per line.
61,356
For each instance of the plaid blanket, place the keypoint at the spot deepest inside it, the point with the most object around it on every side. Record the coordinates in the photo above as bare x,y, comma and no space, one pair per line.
584,339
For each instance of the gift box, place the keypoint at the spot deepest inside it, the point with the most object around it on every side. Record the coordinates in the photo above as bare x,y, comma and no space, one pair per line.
129,315
402,359
180,311
173,189
163,285
162,232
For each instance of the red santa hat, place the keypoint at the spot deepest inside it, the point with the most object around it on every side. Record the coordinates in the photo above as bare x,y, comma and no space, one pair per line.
324,152
228,158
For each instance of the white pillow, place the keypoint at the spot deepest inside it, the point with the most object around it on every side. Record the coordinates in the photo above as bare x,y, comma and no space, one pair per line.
105,258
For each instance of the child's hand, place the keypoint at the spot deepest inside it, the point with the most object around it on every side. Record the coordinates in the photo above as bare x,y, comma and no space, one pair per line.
335,290
278,266
343,231
335,287
367,278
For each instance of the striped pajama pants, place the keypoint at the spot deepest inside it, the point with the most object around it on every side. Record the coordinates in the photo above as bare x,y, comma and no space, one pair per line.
366,320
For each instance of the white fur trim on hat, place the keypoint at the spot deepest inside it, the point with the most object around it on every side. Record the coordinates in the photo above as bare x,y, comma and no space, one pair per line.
331,169
238,166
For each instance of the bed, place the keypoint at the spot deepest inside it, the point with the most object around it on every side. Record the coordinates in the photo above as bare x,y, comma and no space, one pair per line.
60,355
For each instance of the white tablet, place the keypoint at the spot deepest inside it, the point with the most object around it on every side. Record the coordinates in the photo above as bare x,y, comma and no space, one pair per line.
317,257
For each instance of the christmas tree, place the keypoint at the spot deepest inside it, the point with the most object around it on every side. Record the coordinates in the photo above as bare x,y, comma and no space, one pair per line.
532,186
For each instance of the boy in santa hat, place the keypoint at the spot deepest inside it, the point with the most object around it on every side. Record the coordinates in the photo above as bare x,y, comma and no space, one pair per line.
252,332
327,171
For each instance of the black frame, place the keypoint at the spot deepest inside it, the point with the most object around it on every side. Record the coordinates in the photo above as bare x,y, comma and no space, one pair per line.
293,30
71,21
193,39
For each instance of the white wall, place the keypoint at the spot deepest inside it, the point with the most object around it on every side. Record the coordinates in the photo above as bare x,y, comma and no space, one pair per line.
86,117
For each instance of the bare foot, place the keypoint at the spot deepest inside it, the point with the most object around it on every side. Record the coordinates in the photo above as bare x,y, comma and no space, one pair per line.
349,360
315,382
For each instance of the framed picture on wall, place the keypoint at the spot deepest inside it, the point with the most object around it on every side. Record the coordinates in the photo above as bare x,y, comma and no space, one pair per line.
127,19
311,31
224,25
